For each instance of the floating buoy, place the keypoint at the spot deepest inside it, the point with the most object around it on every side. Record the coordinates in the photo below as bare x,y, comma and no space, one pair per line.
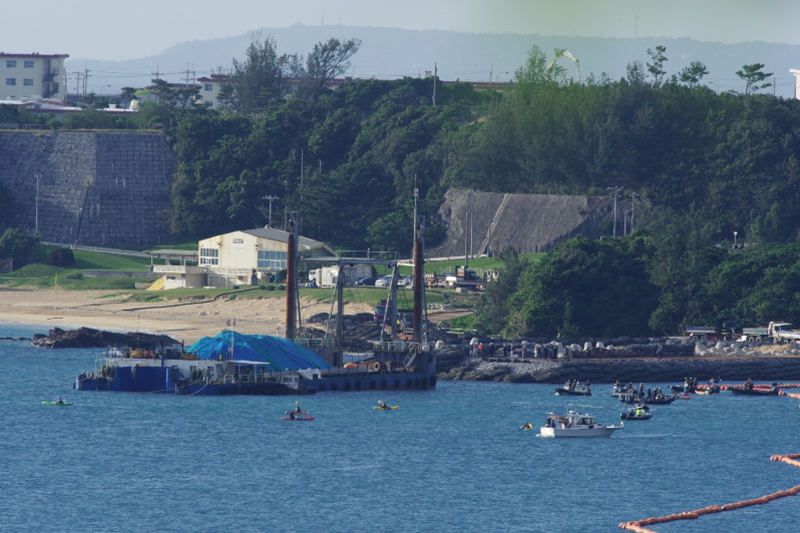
790,459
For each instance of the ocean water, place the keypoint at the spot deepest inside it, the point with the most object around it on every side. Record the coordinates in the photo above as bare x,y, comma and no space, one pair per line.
451,459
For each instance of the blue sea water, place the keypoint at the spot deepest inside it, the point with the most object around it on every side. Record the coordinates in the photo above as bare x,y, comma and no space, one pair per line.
450,459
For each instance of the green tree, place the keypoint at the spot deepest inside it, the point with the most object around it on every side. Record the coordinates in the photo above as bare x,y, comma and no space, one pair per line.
656,68
9,114
534,70
163,91
127,95
493,312
586,288
753,76
20,246
326,61
692,74
261,80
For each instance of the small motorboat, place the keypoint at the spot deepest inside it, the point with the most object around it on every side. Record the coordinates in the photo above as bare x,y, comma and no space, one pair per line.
636,414
621,390
561,391
661,400
754,391
574,388
575,425
297,418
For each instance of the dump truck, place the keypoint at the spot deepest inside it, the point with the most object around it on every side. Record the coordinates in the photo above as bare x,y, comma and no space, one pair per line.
777,332
724,330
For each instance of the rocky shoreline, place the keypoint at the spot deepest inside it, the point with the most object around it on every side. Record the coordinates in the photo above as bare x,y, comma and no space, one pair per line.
95,338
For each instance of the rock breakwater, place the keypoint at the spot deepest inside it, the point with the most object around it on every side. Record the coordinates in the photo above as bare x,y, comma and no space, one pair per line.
765,368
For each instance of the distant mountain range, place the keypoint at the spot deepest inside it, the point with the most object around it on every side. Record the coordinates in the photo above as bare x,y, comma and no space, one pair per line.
390,53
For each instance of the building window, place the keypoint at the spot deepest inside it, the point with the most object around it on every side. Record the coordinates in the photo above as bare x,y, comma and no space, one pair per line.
28,82
28,64
11,81
271,260
209,256
11,63
208,88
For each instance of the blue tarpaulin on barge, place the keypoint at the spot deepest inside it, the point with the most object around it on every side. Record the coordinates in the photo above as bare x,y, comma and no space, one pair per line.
281,354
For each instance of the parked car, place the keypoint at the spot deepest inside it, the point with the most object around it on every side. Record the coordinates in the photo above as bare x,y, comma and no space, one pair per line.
365,281
385,281
407,281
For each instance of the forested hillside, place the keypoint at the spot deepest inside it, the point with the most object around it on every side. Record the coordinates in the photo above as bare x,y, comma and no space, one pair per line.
706,169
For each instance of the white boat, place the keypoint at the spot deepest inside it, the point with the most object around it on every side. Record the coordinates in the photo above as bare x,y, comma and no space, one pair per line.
575,425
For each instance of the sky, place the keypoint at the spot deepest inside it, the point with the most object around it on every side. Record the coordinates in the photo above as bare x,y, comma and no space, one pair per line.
98,29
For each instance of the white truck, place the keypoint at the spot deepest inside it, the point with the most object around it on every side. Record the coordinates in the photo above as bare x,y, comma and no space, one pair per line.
328,276
777,332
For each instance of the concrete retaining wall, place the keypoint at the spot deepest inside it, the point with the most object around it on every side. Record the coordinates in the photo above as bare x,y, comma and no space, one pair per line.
102,189
526,222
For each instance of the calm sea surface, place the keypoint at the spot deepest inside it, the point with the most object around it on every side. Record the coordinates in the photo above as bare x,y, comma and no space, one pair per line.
452,459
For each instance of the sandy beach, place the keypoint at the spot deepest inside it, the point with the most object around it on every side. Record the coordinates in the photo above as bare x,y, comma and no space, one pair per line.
185,321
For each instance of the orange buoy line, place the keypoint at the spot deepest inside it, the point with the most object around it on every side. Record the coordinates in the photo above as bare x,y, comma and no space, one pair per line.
639,525
760,387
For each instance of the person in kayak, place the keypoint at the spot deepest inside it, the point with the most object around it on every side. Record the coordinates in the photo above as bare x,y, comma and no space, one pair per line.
527,425
297,407
291,415
60,401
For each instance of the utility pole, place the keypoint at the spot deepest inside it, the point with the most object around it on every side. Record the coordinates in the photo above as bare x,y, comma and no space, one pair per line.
302,168
270,198
86,72
471,225
36,230
468,236
615,191
435,74
416,195
78,83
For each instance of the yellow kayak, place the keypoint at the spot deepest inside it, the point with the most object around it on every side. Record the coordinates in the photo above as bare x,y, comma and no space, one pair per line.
387,408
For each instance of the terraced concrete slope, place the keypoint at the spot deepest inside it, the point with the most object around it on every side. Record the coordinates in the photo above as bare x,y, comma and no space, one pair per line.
101,189
526,222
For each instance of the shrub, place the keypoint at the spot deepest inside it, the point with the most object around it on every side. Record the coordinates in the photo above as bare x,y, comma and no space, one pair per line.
61,257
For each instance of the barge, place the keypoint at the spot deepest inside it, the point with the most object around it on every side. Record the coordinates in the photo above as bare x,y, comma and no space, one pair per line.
232,363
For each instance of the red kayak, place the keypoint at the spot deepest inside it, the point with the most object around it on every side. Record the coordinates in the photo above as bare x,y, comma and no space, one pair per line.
298,418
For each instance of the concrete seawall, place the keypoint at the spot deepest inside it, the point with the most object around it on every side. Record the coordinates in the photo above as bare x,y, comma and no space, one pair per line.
102,189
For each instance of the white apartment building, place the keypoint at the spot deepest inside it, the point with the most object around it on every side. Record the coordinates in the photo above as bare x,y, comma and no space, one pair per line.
210,87
27,76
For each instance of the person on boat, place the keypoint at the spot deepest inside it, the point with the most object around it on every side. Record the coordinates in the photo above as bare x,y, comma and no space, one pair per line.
60,401
639,412
748,384
291,415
